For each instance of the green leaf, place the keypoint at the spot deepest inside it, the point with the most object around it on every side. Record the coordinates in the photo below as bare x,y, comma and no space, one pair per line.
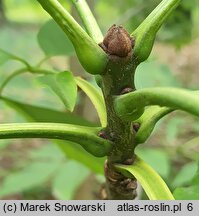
4,144
35,174
157,159
189,193
185,175
173,128
64,86
68,178
96,97
53,41
75,152
47,152
190,149
154,74
126,106
195,180
41,114
152,183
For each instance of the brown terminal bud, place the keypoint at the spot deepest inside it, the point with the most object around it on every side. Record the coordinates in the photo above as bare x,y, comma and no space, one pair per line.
117,42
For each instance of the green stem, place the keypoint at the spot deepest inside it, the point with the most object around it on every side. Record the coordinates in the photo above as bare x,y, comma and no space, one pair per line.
85,136
129,104
88,20
9,78
118,76
91,56
152,183
14,57
46,58
148,121
36,70
30,69
146,32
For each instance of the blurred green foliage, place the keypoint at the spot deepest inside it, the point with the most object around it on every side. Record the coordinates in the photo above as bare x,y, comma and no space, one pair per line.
191,192
46,165
26,11
52,44
178,30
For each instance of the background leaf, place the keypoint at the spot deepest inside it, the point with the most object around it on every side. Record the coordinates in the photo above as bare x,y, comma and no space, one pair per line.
48,152
153,74
190,149
31,176
41,114
45,162
158,159
173,128
177,30
53,41
188,193
4,57
75,152
64,86
68,178
185,175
